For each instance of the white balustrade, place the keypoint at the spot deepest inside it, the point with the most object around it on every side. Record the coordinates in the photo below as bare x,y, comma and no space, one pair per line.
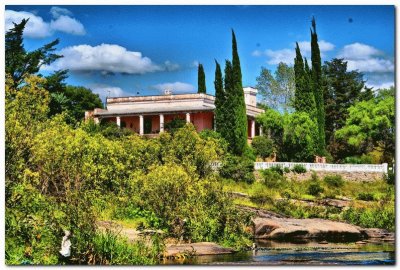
380,168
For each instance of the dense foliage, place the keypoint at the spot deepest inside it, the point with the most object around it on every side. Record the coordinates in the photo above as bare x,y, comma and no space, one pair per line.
263,146
63,177
370,126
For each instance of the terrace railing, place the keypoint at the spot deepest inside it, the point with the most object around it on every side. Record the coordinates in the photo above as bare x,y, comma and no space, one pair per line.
379,168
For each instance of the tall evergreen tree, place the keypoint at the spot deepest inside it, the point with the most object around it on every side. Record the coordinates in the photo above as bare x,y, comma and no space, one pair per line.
201,80
228,106
19,62
342,89
239,118
316,73
304,100
219,99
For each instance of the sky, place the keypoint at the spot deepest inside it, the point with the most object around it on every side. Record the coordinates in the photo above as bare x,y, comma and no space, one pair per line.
144,50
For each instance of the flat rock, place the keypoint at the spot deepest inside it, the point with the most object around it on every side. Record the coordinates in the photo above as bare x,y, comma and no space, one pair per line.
197,249
291,229
381,234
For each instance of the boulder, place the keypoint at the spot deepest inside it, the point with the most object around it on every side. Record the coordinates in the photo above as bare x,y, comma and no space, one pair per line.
291,229
378,234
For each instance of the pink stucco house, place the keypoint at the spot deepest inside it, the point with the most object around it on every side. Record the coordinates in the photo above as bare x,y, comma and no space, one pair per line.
147,115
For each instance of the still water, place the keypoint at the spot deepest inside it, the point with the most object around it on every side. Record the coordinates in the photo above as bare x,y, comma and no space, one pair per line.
275,253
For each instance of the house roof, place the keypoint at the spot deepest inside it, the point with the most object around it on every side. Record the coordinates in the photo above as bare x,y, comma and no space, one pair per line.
164,104
154,110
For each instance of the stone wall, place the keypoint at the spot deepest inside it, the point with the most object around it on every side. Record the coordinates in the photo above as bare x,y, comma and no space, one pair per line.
349,176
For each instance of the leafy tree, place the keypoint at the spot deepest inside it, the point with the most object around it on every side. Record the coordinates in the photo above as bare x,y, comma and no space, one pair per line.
81,100
263,146
304,100
272,124
371,126
201,80
19,62
316,74
26,108
219,100
299,137
278,91
342,89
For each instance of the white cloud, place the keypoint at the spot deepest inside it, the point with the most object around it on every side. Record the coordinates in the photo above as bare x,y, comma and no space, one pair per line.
169,66
105,58
287,55
38,28
68,25
57,12
35,28
370,65
107,90
275,57
175,87
358,51
324,46
365,58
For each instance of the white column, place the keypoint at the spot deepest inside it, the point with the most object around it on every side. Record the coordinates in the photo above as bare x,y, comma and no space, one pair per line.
141,125
261,131
161,123
215,126
118,121
253,128
187,117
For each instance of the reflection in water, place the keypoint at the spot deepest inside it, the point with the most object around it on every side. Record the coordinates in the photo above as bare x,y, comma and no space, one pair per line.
274,253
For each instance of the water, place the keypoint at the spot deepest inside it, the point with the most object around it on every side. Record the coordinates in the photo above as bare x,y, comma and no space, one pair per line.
275,253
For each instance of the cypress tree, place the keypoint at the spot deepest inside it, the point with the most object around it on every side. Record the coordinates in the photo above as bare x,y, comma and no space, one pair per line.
316,74
239,118
304,98
219,99
201,80
227,110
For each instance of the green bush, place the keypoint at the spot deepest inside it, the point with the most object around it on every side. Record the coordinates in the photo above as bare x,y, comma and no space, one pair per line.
365,196
298,168
277,169
286,170
334,181
352,160
131,211
261,194
314,176
237,168
263,146
315,189
272,178
379,216
174,125
390,178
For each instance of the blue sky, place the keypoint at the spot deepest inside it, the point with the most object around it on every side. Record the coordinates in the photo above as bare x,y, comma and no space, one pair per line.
125,50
